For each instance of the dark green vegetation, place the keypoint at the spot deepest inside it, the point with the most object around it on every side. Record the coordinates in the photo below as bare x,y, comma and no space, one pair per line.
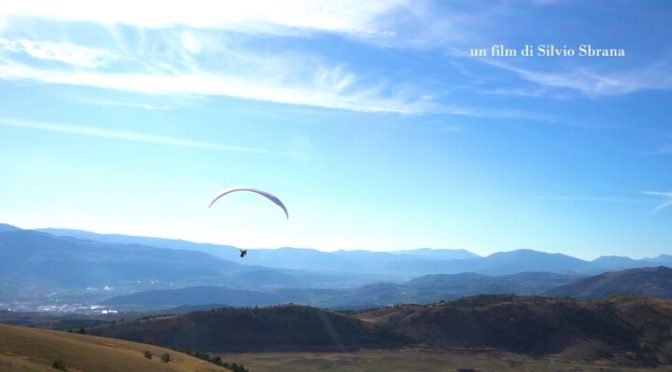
58,364
650,281
217,360
630,330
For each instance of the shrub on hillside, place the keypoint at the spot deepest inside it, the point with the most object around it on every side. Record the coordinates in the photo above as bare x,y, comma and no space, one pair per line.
58,364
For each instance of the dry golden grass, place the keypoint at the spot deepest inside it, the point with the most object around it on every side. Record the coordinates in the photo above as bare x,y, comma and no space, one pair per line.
417,359
30,349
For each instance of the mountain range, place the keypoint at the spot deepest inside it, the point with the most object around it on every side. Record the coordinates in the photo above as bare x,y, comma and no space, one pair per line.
397,265
37,266
61,266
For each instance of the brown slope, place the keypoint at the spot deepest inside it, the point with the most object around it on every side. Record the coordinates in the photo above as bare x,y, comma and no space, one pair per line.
648,281
634,330
23,348
276,328
536,325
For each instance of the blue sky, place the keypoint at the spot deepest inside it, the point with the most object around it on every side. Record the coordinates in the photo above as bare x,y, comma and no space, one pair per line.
372,121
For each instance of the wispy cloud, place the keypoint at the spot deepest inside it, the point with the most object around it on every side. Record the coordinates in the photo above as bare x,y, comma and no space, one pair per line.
312,93
64,52
589,198
343,16
188,49
144,106
666,149
182,50
656,76
667,199
124,135
326,87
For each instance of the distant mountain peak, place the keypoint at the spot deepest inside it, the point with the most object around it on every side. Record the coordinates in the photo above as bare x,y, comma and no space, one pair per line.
653,281
8,228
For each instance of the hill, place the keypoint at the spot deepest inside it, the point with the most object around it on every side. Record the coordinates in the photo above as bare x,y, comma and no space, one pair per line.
649,281
629,329
196,296
277,328
30,349
468,284
422,290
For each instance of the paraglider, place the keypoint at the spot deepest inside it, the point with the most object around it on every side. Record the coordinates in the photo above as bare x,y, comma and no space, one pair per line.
263,193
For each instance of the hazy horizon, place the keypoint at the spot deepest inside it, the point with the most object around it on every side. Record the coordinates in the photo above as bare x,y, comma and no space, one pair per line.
487,252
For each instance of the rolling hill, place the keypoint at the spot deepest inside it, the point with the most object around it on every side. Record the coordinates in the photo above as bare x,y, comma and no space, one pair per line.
649,281
632,330
196,296
422,290
277,328
31,349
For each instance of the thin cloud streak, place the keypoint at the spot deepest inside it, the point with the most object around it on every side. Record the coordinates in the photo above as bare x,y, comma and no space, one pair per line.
144,106
125,135
362,100
667,199
64,52
339,95
352,17
656,76
666,149
588,198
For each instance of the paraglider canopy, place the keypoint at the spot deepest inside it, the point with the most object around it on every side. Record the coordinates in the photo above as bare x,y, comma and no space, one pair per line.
263,193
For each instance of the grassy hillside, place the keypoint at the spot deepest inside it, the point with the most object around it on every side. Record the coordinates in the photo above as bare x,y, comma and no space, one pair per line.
30,349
